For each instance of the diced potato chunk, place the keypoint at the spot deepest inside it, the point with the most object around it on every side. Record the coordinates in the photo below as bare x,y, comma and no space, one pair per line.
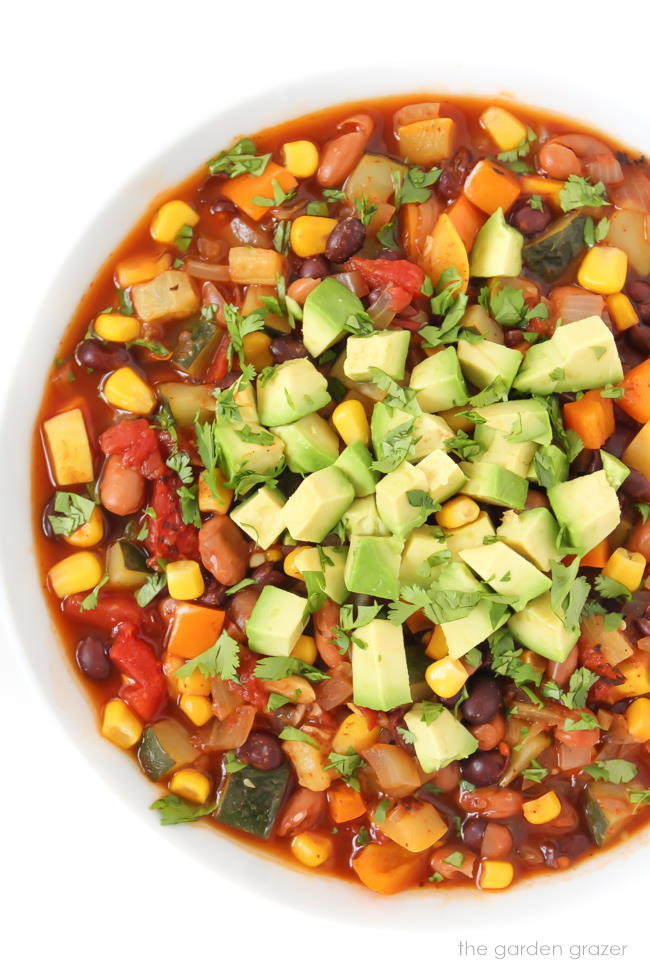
428,141
68,448
254,265
169,296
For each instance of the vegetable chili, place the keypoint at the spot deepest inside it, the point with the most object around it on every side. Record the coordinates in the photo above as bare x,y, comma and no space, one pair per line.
342,485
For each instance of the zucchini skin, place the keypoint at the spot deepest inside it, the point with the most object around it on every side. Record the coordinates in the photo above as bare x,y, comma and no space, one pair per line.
193,357
552,253
250,799
153,759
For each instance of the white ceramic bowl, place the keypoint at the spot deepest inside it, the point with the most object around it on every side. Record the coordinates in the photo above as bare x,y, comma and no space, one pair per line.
28,626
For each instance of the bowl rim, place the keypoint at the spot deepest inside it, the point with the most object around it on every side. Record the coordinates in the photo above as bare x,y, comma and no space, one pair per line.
31,631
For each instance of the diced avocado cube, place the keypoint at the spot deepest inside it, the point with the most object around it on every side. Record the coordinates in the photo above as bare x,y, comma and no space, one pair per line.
519,420
362,518
440,741
317,504
533,534
239,455
330,560
261,516
326,310
482,362
497,449
380,677
277,620
494,485
507,572
615,469
464,634
356,463
469,535
372,566
580,355
417,665
385,350
444,476
552,461
292,390
420,546
439,382
587,508
538,628
428,432
309,444
393,504
497,249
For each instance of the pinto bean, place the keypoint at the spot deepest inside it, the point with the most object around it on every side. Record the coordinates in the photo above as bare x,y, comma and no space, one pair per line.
341,154
224,550
301,288
241,606
536,499
492,801
639,540
497,841
639,336
448,777
490,733
302,811
325,619
121,490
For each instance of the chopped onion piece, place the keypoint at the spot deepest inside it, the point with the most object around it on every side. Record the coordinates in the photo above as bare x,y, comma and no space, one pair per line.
207,271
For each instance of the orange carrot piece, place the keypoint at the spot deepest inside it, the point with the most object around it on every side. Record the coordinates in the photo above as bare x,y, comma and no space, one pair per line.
194,629
592,418
345,803
467,219
387,868
636,398
443,249
597,557
242,189
418,622
490,186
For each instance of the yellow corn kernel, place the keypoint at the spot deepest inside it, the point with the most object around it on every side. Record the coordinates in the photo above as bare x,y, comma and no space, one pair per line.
170,220
120,725
351,422
309,235
458,512
437,646
625,567
622,311
184,579
446,677
543,809
603,270
290,568
136,270
126,390
638,719
257,350
312,849
191,785
354,733
503,128
495,875
196,684
196,707
305,650
88,534
117,328
300,158
207,501
76,573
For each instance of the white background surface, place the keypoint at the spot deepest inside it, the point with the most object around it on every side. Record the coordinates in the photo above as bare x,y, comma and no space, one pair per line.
90,92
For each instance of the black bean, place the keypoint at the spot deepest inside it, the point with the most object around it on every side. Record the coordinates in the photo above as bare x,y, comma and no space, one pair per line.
314,267
618,441
229,379
484,699
513,337
214,594
528,220
587,462
101,356
92,658
283,349
473,832
639,336
345,240
573,845
262,751
636,486
453,176
268,575
639,290
644,312
222,205
484,768
48,510
386,254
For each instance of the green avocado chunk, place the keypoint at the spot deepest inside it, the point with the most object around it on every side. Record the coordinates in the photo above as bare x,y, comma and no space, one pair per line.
465,633
518,421
533,534
497,249
356,463
326,310
497,449
290,391
261,516
444,476
362,518
484,362
507,572
538,628
380,677
420,546
394,505
277,620
310,443
331,561
239,455
439,382
494,485
580,355
372,566
587,508
317,504
428,432
469,535
439,741
386,350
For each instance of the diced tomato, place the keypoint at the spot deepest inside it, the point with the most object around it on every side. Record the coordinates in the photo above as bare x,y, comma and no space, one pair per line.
169,537
594,660
136,444
219,365
404,274
251,688
584,738
370,716
135,658
400,298
112,608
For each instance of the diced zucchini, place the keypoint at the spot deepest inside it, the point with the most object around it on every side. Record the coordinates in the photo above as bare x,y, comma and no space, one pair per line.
372,177
186,401
607,809
164,747
250,799
126,565
552,253
195,350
